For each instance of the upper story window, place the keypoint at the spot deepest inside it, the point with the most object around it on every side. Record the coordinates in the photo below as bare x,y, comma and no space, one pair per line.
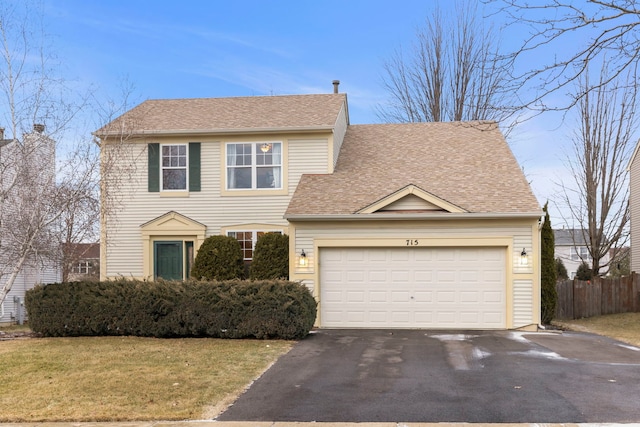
580,253
174,167
254,166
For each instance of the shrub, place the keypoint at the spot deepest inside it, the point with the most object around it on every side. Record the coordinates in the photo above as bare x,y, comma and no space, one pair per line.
270,257
228,309
584,272
219,258
561,270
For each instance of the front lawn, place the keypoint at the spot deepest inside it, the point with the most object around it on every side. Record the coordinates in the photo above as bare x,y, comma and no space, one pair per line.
127,378
624,327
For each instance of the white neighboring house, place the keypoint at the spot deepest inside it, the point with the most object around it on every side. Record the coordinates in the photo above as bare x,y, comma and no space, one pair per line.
39,151
571,248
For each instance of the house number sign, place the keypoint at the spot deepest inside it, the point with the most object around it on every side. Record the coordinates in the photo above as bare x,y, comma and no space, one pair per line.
412,242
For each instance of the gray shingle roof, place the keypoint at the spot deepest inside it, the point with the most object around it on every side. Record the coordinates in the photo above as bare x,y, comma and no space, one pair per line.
288,112
467,164
569,237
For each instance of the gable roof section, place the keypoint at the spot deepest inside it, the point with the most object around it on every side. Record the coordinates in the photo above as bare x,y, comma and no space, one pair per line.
457,165
172,223
229,115
411,197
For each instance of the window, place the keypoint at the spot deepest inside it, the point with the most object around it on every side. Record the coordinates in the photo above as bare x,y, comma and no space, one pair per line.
580,253
254,166
248,241
174,167
82,267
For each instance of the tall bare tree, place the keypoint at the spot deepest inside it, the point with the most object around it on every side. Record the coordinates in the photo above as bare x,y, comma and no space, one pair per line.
37,189
562,37
453,72
598,197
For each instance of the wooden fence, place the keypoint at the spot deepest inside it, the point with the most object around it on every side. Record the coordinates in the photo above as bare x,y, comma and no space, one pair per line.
578,299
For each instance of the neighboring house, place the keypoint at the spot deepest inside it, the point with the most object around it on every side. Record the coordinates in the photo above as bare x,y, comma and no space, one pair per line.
572,248
634,208
423,225
37,150
84,262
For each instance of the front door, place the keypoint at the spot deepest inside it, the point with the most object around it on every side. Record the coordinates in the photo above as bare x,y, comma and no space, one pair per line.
168,260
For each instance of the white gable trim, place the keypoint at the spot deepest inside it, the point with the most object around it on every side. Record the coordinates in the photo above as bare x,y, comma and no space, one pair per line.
411,189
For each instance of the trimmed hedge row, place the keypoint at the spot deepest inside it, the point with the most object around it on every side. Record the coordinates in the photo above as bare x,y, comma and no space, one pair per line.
229,309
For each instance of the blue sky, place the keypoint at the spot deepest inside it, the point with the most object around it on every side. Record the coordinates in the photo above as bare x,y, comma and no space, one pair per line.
182,49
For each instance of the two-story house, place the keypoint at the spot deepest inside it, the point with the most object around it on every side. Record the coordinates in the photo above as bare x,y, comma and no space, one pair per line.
572,248
390,225
27,170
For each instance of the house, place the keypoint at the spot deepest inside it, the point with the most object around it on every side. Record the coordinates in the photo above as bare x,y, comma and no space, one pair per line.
83,262
38,150
424,225
572,248
634,208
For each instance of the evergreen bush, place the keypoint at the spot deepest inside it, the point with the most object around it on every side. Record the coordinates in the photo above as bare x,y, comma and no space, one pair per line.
561,270
218,258
270,257
548,273
584,272
227,309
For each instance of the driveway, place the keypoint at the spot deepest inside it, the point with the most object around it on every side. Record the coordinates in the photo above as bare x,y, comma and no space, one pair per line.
439,376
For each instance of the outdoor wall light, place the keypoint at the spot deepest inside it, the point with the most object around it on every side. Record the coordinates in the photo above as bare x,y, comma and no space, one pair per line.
302,261
523,257
265,147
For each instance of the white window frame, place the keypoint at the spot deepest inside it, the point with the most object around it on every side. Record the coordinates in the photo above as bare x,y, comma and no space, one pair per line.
254,239
185,167
81,267
256,152
579,253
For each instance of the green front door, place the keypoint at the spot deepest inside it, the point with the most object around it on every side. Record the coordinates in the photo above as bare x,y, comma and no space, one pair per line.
168,260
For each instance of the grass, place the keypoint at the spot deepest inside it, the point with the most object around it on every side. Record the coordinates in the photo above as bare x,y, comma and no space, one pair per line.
127,378
624,327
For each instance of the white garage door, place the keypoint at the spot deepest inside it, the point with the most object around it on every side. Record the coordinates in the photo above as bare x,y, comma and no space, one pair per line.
413,288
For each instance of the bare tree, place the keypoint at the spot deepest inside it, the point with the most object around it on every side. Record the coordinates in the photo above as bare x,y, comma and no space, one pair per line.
563,37
598,199
36,189
452,73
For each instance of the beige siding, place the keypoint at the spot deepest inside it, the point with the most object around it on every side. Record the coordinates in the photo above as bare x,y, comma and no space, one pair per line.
209,207
519,234
634,205
338,134
523,303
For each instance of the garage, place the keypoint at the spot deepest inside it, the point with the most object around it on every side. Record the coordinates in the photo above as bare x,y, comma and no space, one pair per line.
413,287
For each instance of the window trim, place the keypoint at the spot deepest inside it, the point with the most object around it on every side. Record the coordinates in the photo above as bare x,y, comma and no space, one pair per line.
254,167
254,236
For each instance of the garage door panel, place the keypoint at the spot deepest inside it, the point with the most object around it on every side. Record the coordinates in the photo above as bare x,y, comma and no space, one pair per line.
413,287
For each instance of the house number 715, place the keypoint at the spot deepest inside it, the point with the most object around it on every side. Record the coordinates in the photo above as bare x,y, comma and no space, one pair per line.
413,242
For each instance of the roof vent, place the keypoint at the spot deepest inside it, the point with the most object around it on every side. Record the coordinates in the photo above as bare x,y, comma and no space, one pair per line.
1,134
38,128
336,83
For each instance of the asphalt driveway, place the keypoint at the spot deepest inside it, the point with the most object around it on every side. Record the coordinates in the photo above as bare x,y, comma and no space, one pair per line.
437,376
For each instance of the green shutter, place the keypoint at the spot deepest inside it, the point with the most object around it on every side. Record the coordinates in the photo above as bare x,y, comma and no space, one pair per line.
154,167
194,166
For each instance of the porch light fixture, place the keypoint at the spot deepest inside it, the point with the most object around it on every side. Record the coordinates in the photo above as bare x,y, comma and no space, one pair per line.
302,261
265,147
523,257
